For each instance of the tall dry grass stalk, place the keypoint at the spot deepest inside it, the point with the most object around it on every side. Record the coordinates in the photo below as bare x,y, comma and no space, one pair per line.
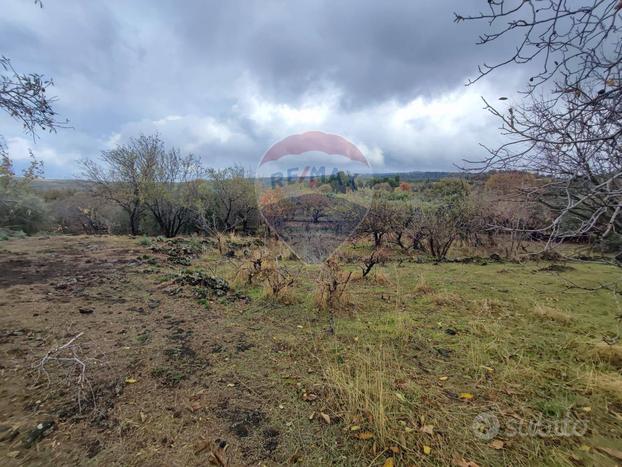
360,391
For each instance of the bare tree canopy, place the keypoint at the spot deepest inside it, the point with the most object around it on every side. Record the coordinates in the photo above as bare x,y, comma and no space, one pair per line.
569,131
24,97
173,192
124,175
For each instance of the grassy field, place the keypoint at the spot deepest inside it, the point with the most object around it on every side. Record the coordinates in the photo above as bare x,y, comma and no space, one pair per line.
181,375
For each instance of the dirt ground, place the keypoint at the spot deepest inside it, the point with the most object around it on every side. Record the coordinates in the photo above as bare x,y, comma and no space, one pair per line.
162,367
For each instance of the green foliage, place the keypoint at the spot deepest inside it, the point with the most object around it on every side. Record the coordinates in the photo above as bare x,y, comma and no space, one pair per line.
20,208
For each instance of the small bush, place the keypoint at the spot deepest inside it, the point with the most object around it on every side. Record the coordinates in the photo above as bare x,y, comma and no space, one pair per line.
332,284
278,282
144,241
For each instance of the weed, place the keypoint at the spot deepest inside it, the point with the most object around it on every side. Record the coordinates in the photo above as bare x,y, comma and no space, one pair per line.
144,241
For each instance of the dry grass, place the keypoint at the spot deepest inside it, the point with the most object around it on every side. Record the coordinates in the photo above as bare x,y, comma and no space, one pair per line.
422,287
332,291
611,354
252,269
445,299
278,283
548,313
361,392
610,384
487,306
381,278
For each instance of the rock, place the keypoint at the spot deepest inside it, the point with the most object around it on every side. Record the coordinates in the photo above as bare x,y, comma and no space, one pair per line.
41,431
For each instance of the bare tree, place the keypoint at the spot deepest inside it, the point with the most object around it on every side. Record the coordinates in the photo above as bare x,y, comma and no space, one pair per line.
126,174
230,202
377,256
173,191
568,133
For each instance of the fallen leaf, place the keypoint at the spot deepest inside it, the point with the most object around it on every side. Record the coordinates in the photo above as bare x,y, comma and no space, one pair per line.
355,428
309,397
585,448
390,462
496,444
143,417
429,429
460,462
365,435
586,409
195,406
443,378
465,395
612,452
395,449
427,450
131,380
200,447
325,417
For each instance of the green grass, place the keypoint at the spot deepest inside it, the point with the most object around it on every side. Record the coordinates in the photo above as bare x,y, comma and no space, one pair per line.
479,330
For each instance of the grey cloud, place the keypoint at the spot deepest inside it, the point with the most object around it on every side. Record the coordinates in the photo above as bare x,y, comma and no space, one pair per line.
122,66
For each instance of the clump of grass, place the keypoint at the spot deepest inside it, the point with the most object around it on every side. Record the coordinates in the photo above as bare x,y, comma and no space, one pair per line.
144,241
445,299
381,278
604,382
360,389
611,354
548,313
488,306
422,287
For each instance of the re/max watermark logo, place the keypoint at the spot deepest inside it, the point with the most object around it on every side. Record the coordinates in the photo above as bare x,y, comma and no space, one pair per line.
313,175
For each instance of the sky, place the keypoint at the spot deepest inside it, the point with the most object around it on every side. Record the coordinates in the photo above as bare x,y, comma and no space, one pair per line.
224,80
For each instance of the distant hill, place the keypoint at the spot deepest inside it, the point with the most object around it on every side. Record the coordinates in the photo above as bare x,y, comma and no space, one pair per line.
82,185
50,184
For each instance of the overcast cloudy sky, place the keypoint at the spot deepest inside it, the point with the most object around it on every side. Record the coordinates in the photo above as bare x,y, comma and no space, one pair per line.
225,79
